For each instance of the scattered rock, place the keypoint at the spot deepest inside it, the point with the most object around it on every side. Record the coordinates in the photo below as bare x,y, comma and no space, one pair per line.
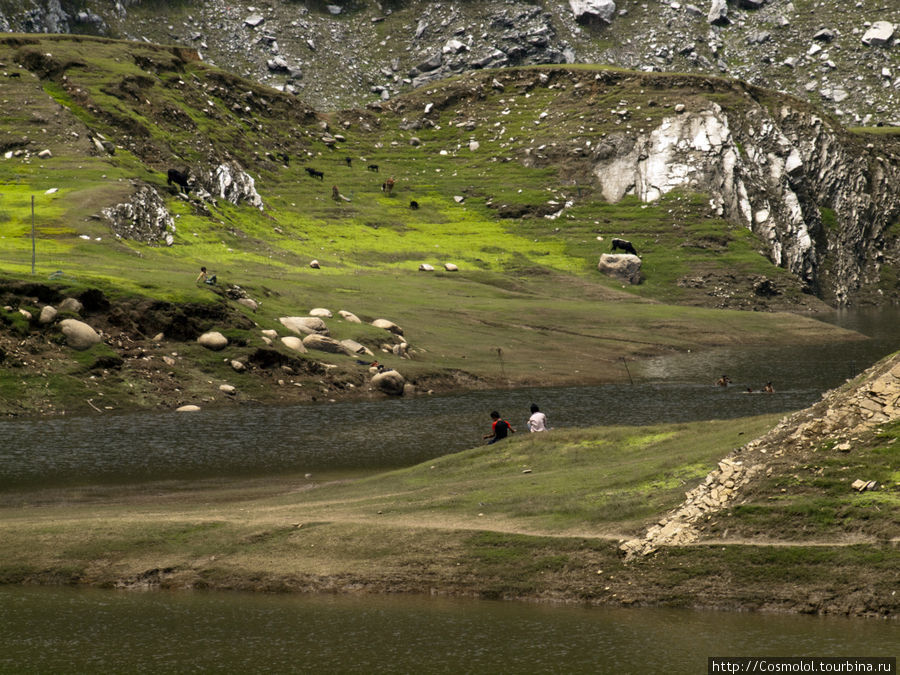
349,316
388,325
323,343
79,335
294,343
879,35
48,315
593,11
188,408
390,382
304,325
213,340
623,266
321,312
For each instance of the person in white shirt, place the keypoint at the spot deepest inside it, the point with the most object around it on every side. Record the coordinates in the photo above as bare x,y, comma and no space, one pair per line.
538,420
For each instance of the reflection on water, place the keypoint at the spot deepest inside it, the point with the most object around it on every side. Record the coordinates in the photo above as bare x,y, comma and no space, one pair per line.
398,432
66,630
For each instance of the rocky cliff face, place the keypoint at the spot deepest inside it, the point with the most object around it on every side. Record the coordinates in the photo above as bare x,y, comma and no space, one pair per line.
342,53
781,173
820,199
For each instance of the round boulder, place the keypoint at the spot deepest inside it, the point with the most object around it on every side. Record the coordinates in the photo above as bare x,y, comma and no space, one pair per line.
213,340
48,315
388,325
71,305
249,302
622,266
294,343
349,316
78,334
323,343
321,312
390,382
354,347
188,408
304,325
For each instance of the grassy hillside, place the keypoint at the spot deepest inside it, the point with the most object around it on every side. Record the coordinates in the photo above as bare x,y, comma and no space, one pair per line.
496,171
539,516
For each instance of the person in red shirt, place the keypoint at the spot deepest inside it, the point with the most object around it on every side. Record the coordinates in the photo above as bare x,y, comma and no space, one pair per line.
499,428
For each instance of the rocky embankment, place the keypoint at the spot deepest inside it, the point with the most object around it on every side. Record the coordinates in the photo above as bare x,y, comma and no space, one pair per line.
339,54
842,416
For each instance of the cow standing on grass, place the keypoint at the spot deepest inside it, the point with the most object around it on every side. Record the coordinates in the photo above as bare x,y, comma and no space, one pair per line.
623,244
179,178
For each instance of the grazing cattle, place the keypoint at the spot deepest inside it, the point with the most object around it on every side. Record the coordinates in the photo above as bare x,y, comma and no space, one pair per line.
179,178
373,167
313,173
388,186
624,245
335,193
349,161
414,205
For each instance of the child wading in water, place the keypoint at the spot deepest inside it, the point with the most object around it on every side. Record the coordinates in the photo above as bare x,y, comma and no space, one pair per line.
499,429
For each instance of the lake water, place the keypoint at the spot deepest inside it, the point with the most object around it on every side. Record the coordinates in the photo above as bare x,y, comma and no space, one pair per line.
389,433
88,631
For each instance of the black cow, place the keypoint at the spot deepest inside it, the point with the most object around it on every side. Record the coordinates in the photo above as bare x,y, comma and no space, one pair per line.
373,167
313,173
179,178
414,205
349,161
623,244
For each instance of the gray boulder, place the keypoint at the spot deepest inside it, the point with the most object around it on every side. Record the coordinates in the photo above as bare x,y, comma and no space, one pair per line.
304,325
48,315
71,305
213,340
593,11
879,34
78,334
294,343
388,325
323,343
354,347
718,13
626,267
390,382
